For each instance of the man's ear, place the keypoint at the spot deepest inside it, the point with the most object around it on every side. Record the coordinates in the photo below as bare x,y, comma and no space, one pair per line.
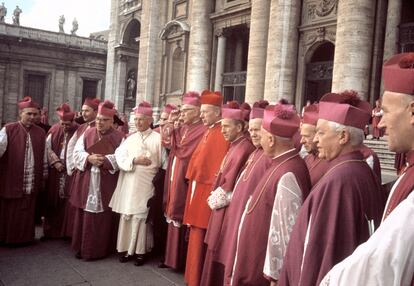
344,136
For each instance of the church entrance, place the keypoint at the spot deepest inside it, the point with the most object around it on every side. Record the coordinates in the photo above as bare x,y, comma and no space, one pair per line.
234,76
319,73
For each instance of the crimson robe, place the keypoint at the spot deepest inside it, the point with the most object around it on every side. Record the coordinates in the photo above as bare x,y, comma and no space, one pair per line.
56,204
333,221
202,169
376,131
256,166
237,155
17,209
254,229
69,215
94,234
316,167
184,141
404,186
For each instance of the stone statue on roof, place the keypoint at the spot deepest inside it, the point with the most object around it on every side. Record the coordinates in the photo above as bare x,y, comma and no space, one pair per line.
75,26
16,15
61,23
3,12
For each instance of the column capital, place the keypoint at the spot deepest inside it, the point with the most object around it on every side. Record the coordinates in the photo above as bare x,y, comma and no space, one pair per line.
220,32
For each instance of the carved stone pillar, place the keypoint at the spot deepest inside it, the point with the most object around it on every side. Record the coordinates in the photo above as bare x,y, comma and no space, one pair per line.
220,60
111,58
282,50
120,82
149,50
391,29
353,51
256,60
199,48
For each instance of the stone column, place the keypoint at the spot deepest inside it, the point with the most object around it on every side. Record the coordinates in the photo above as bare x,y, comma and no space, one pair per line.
391,29
282,50
256,59
220,60
148,47
120,84
199,48
111,60
353,50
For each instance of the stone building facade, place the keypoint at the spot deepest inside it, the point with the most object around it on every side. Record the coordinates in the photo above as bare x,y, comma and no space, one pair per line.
252,49
51,67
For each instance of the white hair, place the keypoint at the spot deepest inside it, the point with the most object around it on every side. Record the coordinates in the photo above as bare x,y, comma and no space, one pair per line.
356,135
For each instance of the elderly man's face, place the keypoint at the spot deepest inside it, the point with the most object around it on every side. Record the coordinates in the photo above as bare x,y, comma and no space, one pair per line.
255,126
142,122
327,141
398,119
209,114
28,116
307,133
104,123
266,141
189,114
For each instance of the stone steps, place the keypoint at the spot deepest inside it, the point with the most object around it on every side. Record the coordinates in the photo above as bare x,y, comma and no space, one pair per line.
386,156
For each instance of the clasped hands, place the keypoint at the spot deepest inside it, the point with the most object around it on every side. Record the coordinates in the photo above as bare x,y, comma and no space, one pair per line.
142,160
96,159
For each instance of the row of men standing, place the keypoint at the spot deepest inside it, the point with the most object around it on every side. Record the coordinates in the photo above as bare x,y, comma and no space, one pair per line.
256,212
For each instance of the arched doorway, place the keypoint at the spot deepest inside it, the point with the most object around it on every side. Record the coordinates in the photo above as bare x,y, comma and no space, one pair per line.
127,60
319,72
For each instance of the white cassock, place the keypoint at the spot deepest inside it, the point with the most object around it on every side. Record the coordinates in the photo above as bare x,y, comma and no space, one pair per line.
135,188
386,259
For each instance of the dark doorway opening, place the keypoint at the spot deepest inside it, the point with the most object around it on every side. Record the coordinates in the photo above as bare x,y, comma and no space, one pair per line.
89,89
319,73
35,87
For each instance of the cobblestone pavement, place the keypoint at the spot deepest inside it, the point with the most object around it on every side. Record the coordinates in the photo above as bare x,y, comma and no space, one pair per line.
53,263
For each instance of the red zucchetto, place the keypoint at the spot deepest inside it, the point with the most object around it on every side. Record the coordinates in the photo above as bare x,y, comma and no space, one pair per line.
232,110
169,107
398,74
192,98
107,108
143,108
258,109
310,114
65,113
213,98
281,120
345,108
92,103
27,102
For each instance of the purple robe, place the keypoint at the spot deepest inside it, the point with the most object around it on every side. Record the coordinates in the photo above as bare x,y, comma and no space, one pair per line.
69,215
184,140
256,166
316,167
372,159
338,215
17,209
56,203
237,155
94,234
255,226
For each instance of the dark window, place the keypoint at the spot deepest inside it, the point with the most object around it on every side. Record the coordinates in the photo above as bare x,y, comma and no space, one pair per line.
35,87
89,89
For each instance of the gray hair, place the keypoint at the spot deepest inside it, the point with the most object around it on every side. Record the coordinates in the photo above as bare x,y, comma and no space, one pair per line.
356,135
